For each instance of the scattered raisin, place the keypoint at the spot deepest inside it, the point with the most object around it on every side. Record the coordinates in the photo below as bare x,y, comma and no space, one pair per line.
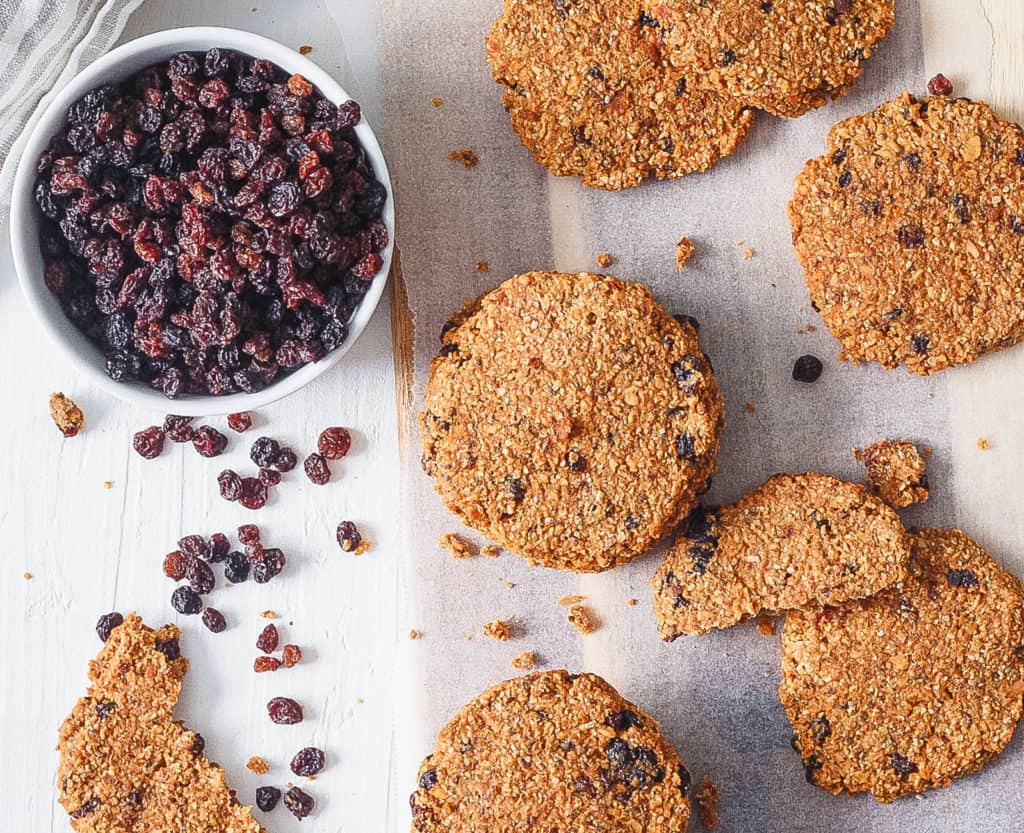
961,578
175,565
253,493
299,803
291,655
807,369
317,469
308,761
236,568
940,85
230,485
268,566
267,798
106,623
249,534
149,443
194,546
219,547
911,236
286,460
264,452
334,443
270,477
214,620
284,710
185,600
200,577
209,442
240,422
348,536
268,639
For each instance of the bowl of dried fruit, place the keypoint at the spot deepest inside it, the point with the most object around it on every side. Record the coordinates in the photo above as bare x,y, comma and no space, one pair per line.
202,215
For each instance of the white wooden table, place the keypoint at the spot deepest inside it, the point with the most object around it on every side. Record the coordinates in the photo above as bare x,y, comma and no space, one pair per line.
90,549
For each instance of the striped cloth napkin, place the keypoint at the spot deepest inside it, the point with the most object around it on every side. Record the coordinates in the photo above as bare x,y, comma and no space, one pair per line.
43,43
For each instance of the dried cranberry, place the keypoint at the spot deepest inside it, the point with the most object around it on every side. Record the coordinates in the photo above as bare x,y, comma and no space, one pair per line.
230,485
807,369
299,803
200,577
175,565
263,664
270,477
291,655
194,546
286,460
149,443
348,536
284,710
334,443
249,534
940,85
185,600
214,620
254,493
236,568
268,638
317,469
267,798
240,422
308,761
209,442
106,623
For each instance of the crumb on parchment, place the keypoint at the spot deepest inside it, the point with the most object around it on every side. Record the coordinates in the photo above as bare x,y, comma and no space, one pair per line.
684,251
499,629
895,472
458,546
258,765
984,444
707,800
765,625
582,619
465,157
483,267
604,260
524,661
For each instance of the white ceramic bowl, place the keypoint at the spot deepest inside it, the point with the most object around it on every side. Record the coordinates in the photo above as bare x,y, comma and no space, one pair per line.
118,65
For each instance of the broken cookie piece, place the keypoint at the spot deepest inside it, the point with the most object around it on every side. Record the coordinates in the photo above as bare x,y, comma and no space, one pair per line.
895,472
125,764
799,541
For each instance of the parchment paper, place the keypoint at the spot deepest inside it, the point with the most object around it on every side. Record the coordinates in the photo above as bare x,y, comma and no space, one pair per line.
716,696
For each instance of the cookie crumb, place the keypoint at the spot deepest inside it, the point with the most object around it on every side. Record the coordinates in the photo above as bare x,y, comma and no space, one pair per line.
684,251
499,629
895,472
748,253
632,602
258,765
984,444
414,634
524,661
581,618
458,546
707,799
108,484
604,260
66,415
749,408
305,49
509,585
465,157
362,547
765,625
27,576
566,601
490,551
437,102
268,614
483,267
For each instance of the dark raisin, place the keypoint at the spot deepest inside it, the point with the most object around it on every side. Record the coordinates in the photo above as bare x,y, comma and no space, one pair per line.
267,798
214,620
149,443
286,460
253,494
194,546
811,766
686,447
334,443
807,369
230,485
299,803
240,422
317,469
270,477
268,639
264,452
680,87
839,156
727,57
820,729
104,709
236,567
291,655
200,577
685,780
961,578
911,236
940,85
687,371
961,208
198,744
913,161
428,780
268,566
86,809
623,720
902,766
348,536
308,761
169,648
1016,224
920,344
284,710
576,462
219,547
175,565
209,442
845,178
647,20
106,623
185,600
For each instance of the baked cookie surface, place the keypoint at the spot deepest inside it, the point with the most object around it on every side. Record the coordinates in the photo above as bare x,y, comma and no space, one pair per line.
551,751
895,472
783,56
125,765
571,419
797,541
913,687
590,95
910,230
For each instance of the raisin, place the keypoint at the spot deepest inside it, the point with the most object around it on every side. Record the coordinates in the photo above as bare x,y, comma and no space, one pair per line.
254,493
185,600
268,566
299,803
175,565
267,798
219,547
214,620
249,534
920,344
268,638
230,485
685,780
845,178
149,443
623,720
198,744
902,766
428,780
261,665
286,460
291,655
807,369
685,447
727,57
200,577
236,568
106,623
317,469
240,422
86,809
284,710
270,477
911,236
348,536
940,85
194,546
820,729
961,578
334,443
308,761
209,442
169,648
264,452
104,709
811,766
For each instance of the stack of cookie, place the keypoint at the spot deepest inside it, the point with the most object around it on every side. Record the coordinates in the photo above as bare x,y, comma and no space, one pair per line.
615,92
